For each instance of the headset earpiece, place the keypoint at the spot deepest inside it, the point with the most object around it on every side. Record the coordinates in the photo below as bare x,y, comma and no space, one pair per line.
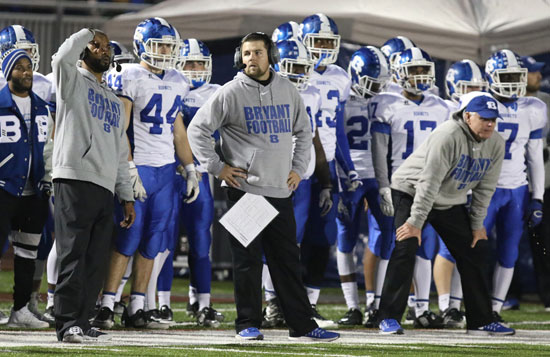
272,51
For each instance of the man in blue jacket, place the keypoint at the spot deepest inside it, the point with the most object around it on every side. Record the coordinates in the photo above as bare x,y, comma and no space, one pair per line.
23,194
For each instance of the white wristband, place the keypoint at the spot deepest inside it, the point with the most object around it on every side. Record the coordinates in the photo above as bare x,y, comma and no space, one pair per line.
190,168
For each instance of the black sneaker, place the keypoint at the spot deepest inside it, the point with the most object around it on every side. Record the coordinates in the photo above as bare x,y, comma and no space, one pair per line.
94,334
322,322
49,316
141,319
119,308
207,317
219,316
497,317
73,335
452,317
192,309
155,321
371,318
429,320
166,313
104,319
272,315
411,316
352,317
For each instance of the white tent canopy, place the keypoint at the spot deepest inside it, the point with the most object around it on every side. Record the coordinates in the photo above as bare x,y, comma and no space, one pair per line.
447,29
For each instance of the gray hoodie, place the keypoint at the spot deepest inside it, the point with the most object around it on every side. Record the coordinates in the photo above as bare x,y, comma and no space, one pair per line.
446,166
256,125
90,141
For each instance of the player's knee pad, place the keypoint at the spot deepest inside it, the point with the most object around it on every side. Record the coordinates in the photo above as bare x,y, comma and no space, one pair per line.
345,262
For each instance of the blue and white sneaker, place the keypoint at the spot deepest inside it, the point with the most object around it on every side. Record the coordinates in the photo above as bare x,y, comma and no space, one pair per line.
390,327
251,333
494,328
317,335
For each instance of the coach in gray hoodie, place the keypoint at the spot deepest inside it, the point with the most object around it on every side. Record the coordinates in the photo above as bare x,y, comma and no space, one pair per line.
431,186
90,165
257,114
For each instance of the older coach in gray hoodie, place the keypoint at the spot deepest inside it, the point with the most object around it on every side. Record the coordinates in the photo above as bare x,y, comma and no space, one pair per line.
462,154
257,115
90,165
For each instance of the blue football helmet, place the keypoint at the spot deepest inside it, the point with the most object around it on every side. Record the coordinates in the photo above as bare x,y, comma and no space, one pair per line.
506,74
193,50
464,77
16,36
150,36
316,28
393,47
369,72
415,71
295,63
120,53
288,30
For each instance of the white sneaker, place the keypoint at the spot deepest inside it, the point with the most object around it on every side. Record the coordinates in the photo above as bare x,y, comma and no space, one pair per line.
3,318
23,318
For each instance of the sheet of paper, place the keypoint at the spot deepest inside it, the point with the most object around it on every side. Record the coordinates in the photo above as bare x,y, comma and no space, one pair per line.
248,217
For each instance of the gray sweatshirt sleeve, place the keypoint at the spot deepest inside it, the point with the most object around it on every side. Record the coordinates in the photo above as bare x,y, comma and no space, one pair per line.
64,62
123,185
199,133
439,158
380,144
483,192
48,151
301,129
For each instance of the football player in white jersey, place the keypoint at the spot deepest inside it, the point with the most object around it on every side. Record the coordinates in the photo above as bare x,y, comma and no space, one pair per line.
320,36
369,72
153,92
524,119
407,119
462,77
197,217
296,65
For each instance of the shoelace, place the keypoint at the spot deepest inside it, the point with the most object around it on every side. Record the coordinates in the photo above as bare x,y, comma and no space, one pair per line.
75,330
318,332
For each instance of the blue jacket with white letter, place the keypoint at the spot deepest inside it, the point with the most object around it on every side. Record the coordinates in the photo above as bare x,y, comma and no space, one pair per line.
17,147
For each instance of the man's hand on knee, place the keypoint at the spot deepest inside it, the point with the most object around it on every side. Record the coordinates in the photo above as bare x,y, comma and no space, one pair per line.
407,231
478,234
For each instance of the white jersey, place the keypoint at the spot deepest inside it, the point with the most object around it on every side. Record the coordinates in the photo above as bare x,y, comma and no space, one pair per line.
156,104
522,126
359,137
453,106
408,123
334,85
41,86
393,87
192,102
311,97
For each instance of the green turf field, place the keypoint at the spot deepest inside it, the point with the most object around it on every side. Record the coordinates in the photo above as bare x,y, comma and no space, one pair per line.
532,322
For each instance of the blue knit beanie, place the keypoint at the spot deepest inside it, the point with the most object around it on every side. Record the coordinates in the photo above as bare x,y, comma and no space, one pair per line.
10,58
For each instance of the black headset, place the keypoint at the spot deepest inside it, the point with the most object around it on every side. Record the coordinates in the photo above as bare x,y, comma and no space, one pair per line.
272,51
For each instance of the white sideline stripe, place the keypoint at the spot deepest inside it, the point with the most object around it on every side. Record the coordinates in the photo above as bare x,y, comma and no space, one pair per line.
210,349
324,307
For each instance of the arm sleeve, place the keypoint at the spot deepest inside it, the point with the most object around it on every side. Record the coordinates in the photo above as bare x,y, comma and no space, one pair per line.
64,62
123,186
534,151
483,192
439,158
301,130
343,156
380,134
199,133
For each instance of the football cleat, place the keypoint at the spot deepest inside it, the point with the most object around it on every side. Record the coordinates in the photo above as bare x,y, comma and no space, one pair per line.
322,321
272,315
105,318
353,317
428,320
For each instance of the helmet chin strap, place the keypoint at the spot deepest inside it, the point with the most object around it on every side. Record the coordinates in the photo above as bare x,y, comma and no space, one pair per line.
321,58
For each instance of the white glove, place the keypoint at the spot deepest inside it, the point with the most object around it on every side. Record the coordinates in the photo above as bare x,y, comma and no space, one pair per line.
137,185
386,204
325,201
192,183
353,181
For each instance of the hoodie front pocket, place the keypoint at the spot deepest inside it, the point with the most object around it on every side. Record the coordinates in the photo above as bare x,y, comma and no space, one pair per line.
269,168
